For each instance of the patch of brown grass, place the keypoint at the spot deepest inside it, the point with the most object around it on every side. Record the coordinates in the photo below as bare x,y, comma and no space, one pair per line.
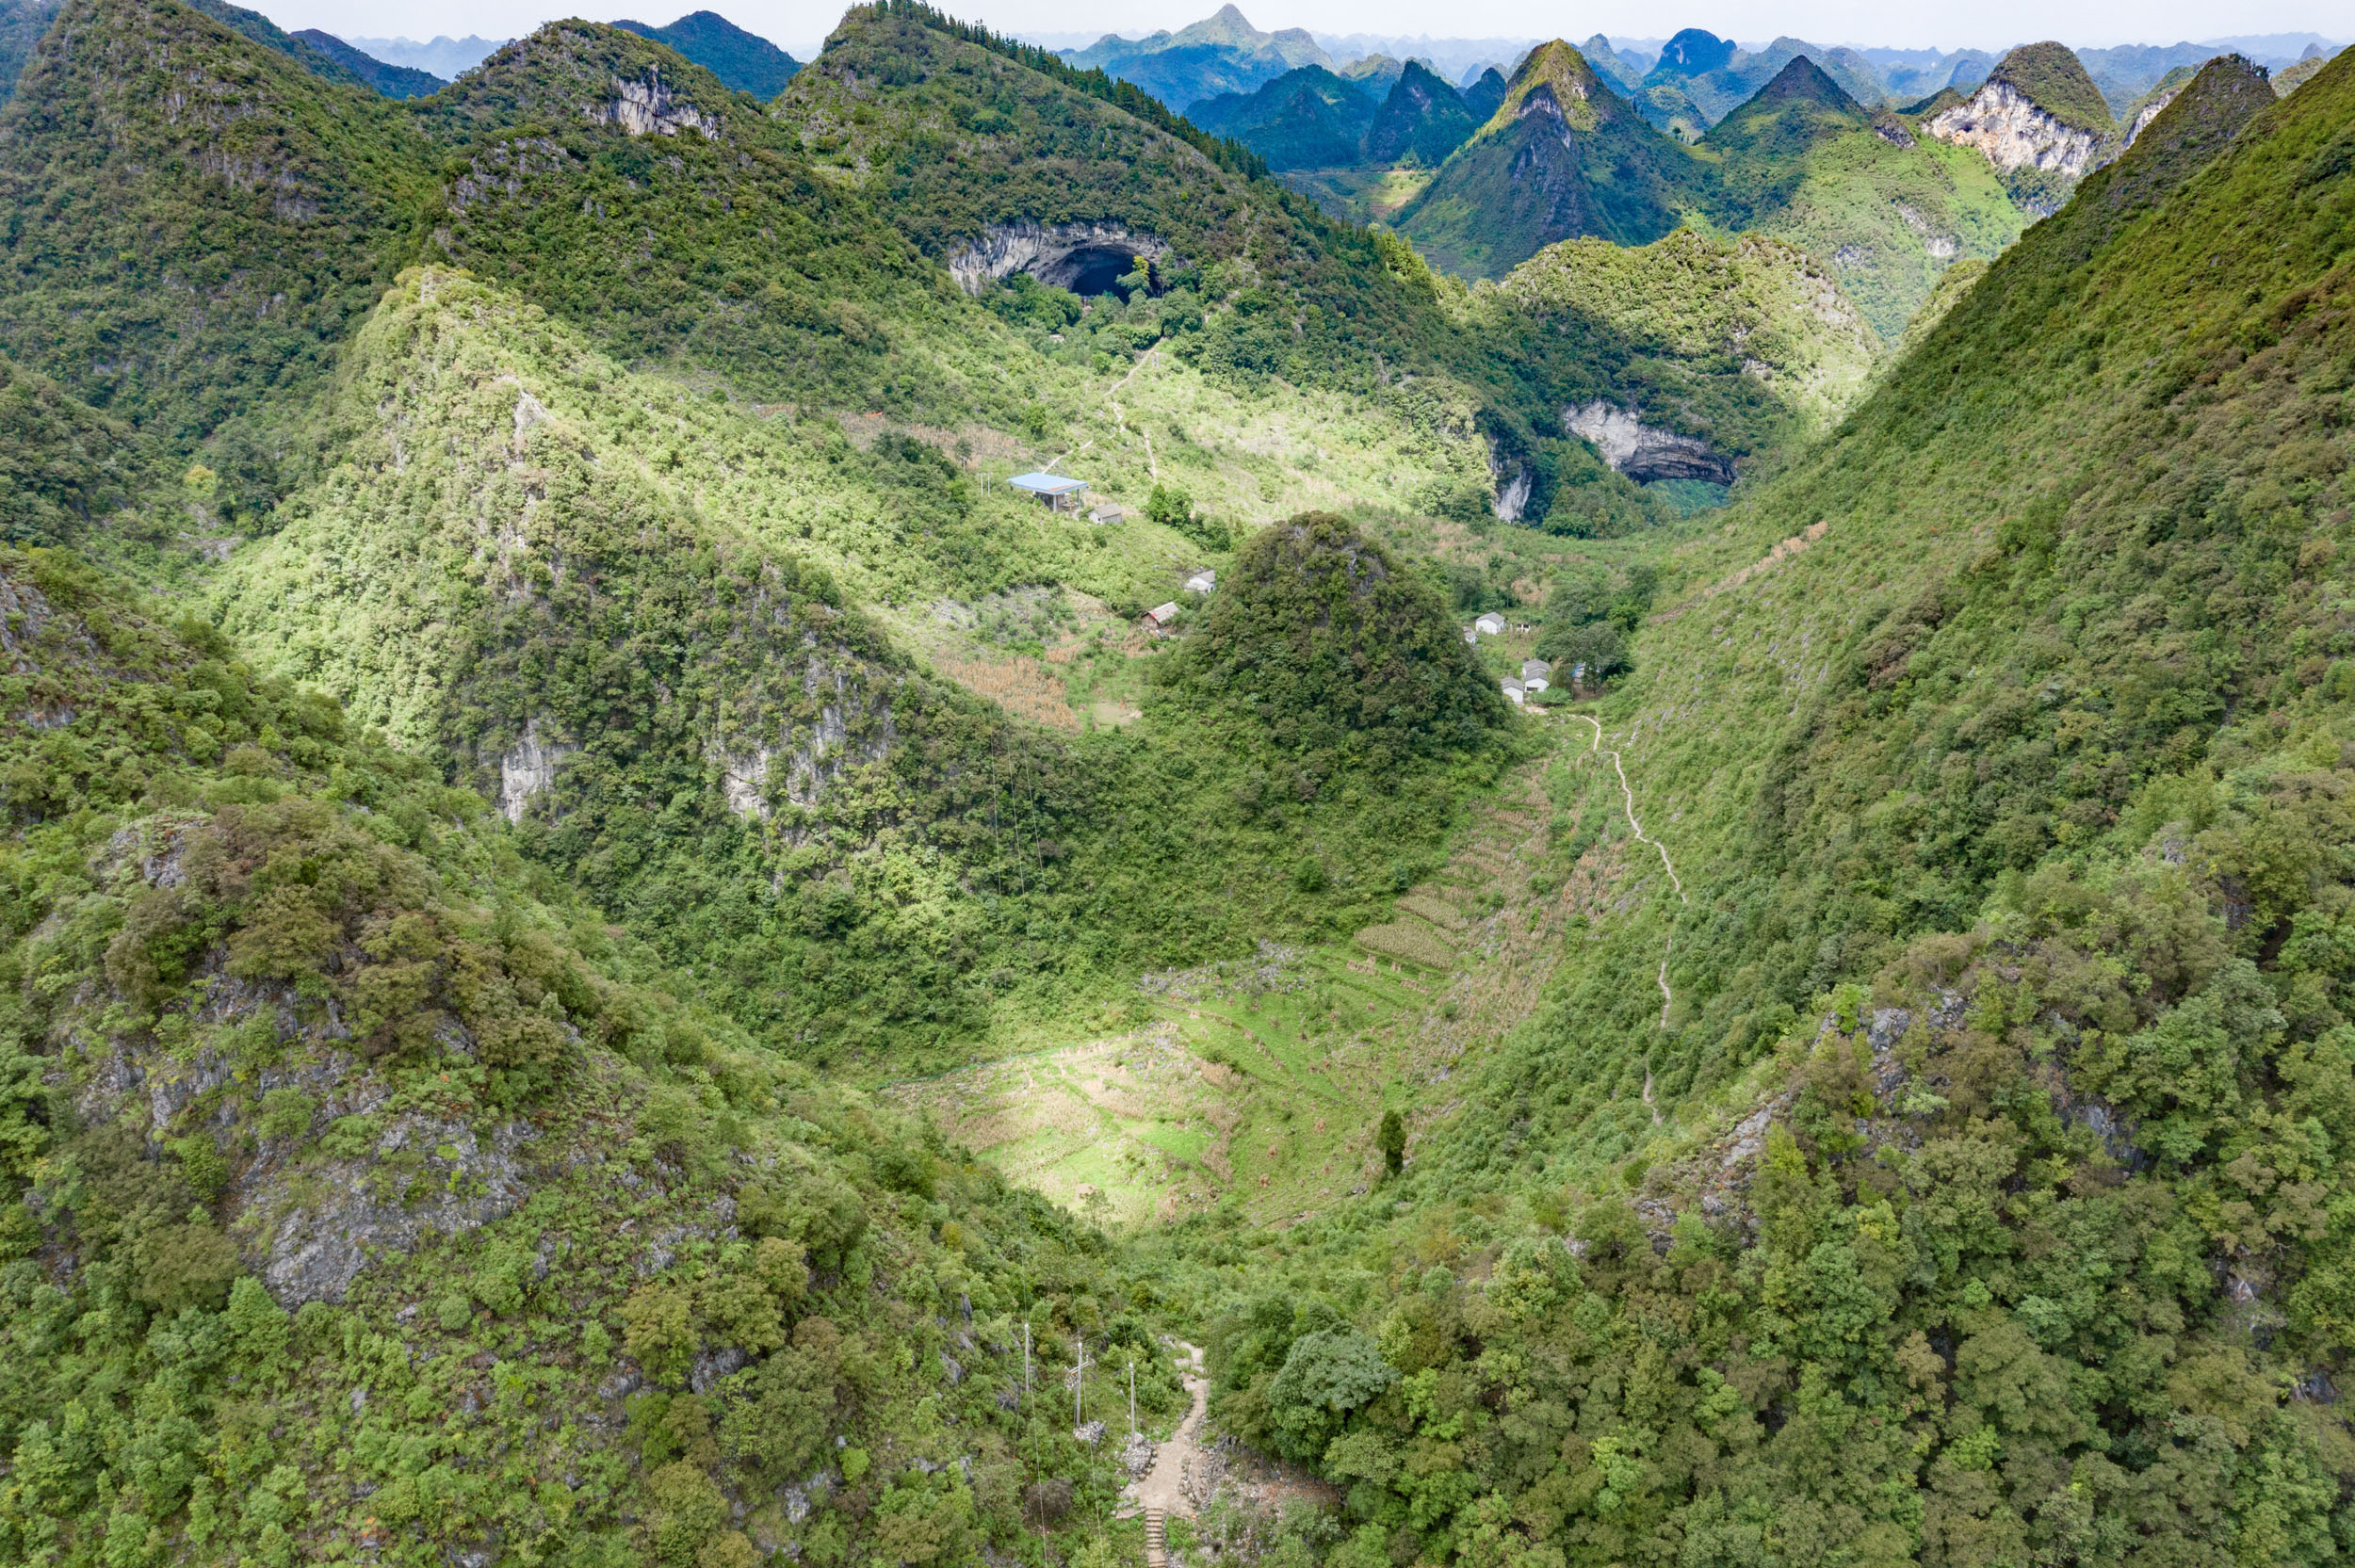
1019,683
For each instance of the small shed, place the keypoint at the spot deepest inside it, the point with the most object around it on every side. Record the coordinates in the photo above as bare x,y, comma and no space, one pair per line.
1160,616
1107,515
1202,582
1536,669
1515,692
1471,638
1491,624
1534,684
1054,492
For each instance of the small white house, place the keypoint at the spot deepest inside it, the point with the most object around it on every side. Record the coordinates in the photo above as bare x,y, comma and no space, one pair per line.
1107,515
1534,684
1491,624
1471,638
1515,692
1202,582
1536,669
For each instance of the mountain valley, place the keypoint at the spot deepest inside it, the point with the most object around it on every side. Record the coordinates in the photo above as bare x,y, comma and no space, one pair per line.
743,792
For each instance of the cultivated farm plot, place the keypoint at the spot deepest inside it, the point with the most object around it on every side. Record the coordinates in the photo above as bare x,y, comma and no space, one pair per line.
1263,1081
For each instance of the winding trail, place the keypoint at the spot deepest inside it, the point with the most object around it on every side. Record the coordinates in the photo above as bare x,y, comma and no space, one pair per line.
1121,419
1667,998
1162,1491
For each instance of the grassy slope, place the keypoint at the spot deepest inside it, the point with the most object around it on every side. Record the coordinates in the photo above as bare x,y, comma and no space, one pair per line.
1800,160
350,1007
1803,162
2051,723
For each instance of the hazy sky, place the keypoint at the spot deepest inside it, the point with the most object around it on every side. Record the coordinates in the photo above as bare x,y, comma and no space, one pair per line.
799,24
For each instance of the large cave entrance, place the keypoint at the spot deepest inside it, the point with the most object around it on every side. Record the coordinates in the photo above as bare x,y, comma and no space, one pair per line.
1094,269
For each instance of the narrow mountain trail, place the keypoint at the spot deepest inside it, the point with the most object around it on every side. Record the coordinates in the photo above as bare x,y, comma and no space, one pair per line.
1626,793
1162,1491
1121,419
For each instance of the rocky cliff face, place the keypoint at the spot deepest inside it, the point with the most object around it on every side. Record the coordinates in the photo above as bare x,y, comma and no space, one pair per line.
1055,253
1645,452
2015,132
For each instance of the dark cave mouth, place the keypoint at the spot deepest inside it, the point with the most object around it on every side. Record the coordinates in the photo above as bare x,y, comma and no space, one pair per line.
1096,269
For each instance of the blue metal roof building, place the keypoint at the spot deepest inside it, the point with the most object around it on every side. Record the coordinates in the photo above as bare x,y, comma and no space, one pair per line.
1055,491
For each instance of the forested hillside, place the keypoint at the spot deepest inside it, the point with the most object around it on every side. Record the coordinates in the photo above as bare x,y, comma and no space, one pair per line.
1961,1186
369,1190
1684,905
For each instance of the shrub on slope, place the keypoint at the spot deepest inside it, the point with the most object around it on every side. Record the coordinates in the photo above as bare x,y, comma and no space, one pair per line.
1338,651
196,220
1989,1211
362,1194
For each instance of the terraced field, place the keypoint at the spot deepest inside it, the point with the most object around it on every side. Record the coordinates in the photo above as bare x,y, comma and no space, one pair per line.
1261,1079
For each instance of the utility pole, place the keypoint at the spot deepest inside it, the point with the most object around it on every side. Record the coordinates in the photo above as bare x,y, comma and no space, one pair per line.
1026,1363
1132,1399
1080,1386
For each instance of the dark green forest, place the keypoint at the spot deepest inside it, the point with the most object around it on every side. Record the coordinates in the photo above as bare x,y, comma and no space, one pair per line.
603,926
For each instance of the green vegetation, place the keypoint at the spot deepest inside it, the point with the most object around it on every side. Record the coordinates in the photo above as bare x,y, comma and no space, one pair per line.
1344,659
1420,123
743,61
1969,1197
1562,156
1882,210
2053,78
219,218
1305,118
61,461
598,1278
1858,1076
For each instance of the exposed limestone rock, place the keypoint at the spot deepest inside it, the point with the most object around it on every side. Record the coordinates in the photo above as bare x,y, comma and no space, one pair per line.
1055,253
2149,111
1646,452
456,1183
647,109
1513,482
813,758
528,770
2013,132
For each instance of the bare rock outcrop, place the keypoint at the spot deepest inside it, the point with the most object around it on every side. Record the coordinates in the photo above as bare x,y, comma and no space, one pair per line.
1067,255
646,107
1646,452
2013,131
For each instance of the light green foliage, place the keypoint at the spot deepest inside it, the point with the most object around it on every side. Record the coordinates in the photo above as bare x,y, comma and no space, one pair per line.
2010,814
316,907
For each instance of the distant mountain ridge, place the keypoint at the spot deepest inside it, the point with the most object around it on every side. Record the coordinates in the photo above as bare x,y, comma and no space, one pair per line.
443,55
393,81
744,61
1222,53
